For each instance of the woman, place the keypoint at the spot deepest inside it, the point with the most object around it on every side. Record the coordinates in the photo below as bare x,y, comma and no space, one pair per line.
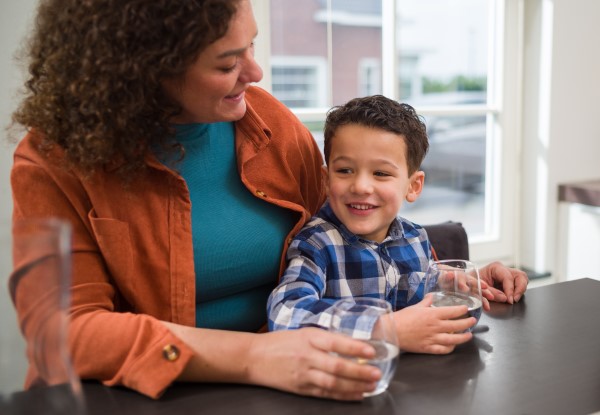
183,185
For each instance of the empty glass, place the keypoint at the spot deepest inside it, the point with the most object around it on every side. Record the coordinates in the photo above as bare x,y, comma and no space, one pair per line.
41,267
369,319
455,282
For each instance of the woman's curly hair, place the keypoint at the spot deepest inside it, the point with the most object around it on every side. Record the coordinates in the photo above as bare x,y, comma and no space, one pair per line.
95,71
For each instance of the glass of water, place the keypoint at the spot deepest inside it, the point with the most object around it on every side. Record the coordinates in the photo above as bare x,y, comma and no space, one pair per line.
455,282
369,320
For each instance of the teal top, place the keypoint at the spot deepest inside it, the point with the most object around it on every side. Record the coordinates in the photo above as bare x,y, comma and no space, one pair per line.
237,237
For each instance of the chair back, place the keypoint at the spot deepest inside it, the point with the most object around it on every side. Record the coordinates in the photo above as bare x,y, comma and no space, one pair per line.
449,240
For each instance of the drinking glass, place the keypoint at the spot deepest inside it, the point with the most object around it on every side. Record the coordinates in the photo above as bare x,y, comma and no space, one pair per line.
455,282
369,320
39,252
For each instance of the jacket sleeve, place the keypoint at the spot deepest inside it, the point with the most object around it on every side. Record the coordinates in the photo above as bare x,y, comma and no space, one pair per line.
107,344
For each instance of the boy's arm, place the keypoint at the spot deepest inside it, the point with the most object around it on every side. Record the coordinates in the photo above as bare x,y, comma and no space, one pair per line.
411,287
298,299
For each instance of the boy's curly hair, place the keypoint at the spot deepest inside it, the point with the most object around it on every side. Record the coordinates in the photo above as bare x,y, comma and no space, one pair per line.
95,68
380,112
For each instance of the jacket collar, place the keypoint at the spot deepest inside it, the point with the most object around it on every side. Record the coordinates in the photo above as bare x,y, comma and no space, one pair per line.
252,127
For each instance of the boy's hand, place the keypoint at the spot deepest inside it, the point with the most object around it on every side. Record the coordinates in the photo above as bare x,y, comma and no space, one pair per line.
424,329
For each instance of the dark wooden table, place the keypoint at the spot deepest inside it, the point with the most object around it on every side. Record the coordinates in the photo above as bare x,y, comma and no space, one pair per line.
541,356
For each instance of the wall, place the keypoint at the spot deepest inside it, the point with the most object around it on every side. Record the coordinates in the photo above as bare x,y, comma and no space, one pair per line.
561,132
14,19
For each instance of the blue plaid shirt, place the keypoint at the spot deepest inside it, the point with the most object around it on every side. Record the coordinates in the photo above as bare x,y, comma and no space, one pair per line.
327,262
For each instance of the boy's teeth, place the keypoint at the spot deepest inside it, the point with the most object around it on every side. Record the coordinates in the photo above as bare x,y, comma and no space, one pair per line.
360,207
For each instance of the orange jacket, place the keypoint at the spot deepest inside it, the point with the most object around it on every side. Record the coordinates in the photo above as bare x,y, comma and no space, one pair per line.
132,247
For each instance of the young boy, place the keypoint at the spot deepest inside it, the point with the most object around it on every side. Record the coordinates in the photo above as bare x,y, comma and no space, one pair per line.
357,245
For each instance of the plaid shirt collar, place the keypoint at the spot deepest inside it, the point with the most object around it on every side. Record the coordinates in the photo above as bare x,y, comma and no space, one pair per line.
395,232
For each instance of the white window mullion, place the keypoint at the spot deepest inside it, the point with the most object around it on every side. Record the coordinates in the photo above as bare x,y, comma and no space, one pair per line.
262,43
329,52
389,72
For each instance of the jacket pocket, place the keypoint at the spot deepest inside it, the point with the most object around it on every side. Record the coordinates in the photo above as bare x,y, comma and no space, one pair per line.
114,240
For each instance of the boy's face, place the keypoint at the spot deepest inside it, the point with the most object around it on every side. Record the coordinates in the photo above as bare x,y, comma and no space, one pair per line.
368,179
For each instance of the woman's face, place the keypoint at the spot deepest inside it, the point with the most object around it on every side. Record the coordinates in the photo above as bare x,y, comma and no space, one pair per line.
212,89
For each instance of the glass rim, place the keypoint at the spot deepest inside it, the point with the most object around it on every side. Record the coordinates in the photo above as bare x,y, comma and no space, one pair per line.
51,222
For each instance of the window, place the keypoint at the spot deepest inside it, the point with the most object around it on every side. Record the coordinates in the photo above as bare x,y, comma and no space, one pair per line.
369,77
443,56
299,82
455,62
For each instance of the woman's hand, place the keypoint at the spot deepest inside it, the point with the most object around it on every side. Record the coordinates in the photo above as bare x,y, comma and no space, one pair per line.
424,329
301,361
505,284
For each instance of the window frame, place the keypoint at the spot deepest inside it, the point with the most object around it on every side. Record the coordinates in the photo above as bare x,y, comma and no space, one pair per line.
305,62
502,111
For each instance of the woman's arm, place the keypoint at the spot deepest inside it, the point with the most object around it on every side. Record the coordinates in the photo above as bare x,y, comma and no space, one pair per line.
505,284
118,295
298,361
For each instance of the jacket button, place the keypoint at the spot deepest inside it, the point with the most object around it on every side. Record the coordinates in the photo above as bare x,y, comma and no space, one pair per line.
171,352
261,193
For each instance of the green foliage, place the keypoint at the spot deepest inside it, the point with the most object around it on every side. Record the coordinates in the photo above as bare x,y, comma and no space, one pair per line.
315,125
457,83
